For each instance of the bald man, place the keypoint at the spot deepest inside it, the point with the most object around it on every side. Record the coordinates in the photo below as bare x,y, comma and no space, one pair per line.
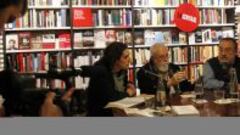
159,69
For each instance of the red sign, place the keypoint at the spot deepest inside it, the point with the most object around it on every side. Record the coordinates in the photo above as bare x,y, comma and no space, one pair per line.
186,17
82,17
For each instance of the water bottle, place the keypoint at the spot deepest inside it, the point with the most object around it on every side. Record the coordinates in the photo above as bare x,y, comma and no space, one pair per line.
160,94
233,84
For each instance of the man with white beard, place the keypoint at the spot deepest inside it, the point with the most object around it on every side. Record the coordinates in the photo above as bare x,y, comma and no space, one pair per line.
159,70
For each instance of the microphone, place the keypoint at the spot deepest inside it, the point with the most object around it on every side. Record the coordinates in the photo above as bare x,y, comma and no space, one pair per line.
151,73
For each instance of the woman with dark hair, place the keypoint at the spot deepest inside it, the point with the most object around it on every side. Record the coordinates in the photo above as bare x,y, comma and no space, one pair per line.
108,79
10,10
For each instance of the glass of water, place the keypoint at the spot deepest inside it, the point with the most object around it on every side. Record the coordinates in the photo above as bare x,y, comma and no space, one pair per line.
219,94
234,95
161,98
198,92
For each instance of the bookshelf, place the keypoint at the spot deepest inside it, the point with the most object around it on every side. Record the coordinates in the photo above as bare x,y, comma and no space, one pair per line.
57,32
237,20
1,53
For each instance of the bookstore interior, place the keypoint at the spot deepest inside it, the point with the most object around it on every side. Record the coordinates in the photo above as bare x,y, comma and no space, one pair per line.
49,48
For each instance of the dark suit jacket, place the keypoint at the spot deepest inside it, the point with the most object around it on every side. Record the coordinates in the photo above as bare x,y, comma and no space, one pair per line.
148,83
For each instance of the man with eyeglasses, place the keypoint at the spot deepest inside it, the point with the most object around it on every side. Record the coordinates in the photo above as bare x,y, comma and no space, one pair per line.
216,71
159,69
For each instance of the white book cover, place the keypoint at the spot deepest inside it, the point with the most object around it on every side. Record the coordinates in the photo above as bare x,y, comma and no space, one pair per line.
228,32
99,38
182,38
154,17
12,42
78,39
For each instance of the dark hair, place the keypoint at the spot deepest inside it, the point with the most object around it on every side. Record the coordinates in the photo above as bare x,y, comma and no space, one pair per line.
234,42
6,3
112,53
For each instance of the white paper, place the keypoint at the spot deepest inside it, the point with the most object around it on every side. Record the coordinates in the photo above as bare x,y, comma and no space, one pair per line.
185,110
128,102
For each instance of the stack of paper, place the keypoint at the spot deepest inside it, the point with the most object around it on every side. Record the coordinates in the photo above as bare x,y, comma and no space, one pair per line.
187,110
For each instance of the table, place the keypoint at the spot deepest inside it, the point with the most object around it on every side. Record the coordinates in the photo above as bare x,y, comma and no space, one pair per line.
207,109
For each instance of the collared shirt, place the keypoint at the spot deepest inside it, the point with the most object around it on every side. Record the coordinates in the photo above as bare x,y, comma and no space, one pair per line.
209,80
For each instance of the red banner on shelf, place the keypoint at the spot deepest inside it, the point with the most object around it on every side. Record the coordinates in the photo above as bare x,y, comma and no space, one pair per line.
82,17
187,17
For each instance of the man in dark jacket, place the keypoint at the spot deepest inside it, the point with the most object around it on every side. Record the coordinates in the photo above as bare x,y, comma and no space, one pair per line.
159,69
216,71
108,79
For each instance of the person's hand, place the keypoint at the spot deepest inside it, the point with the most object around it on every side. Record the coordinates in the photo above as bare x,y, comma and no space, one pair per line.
68,95
177,78
50,97
131,90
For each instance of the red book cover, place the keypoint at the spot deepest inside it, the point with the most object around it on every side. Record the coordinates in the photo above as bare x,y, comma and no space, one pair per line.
42,59
20,62
82,17
65,40
48,41
30,63
17,23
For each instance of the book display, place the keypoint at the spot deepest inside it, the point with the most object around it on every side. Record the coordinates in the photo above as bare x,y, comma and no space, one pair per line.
70,33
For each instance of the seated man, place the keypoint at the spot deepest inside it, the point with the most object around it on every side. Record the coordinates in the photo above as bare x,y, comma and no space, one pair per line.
216,70
159,69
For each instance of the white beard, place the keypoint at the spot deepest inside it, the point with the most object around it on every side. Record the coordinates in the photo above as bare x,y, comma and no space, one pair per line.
163,68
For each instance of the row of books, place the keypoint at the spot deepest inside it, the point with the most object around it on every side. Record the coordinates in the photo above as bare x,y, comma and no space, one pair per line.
200,54
1,53
142,56
196,71
136,2
47,2
53,84
102,2
169,37
86,17
153,16
177,55
212,2
39,62
101,38
166,16
210,35
42,18
121,17
216,16
28,40
177,2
